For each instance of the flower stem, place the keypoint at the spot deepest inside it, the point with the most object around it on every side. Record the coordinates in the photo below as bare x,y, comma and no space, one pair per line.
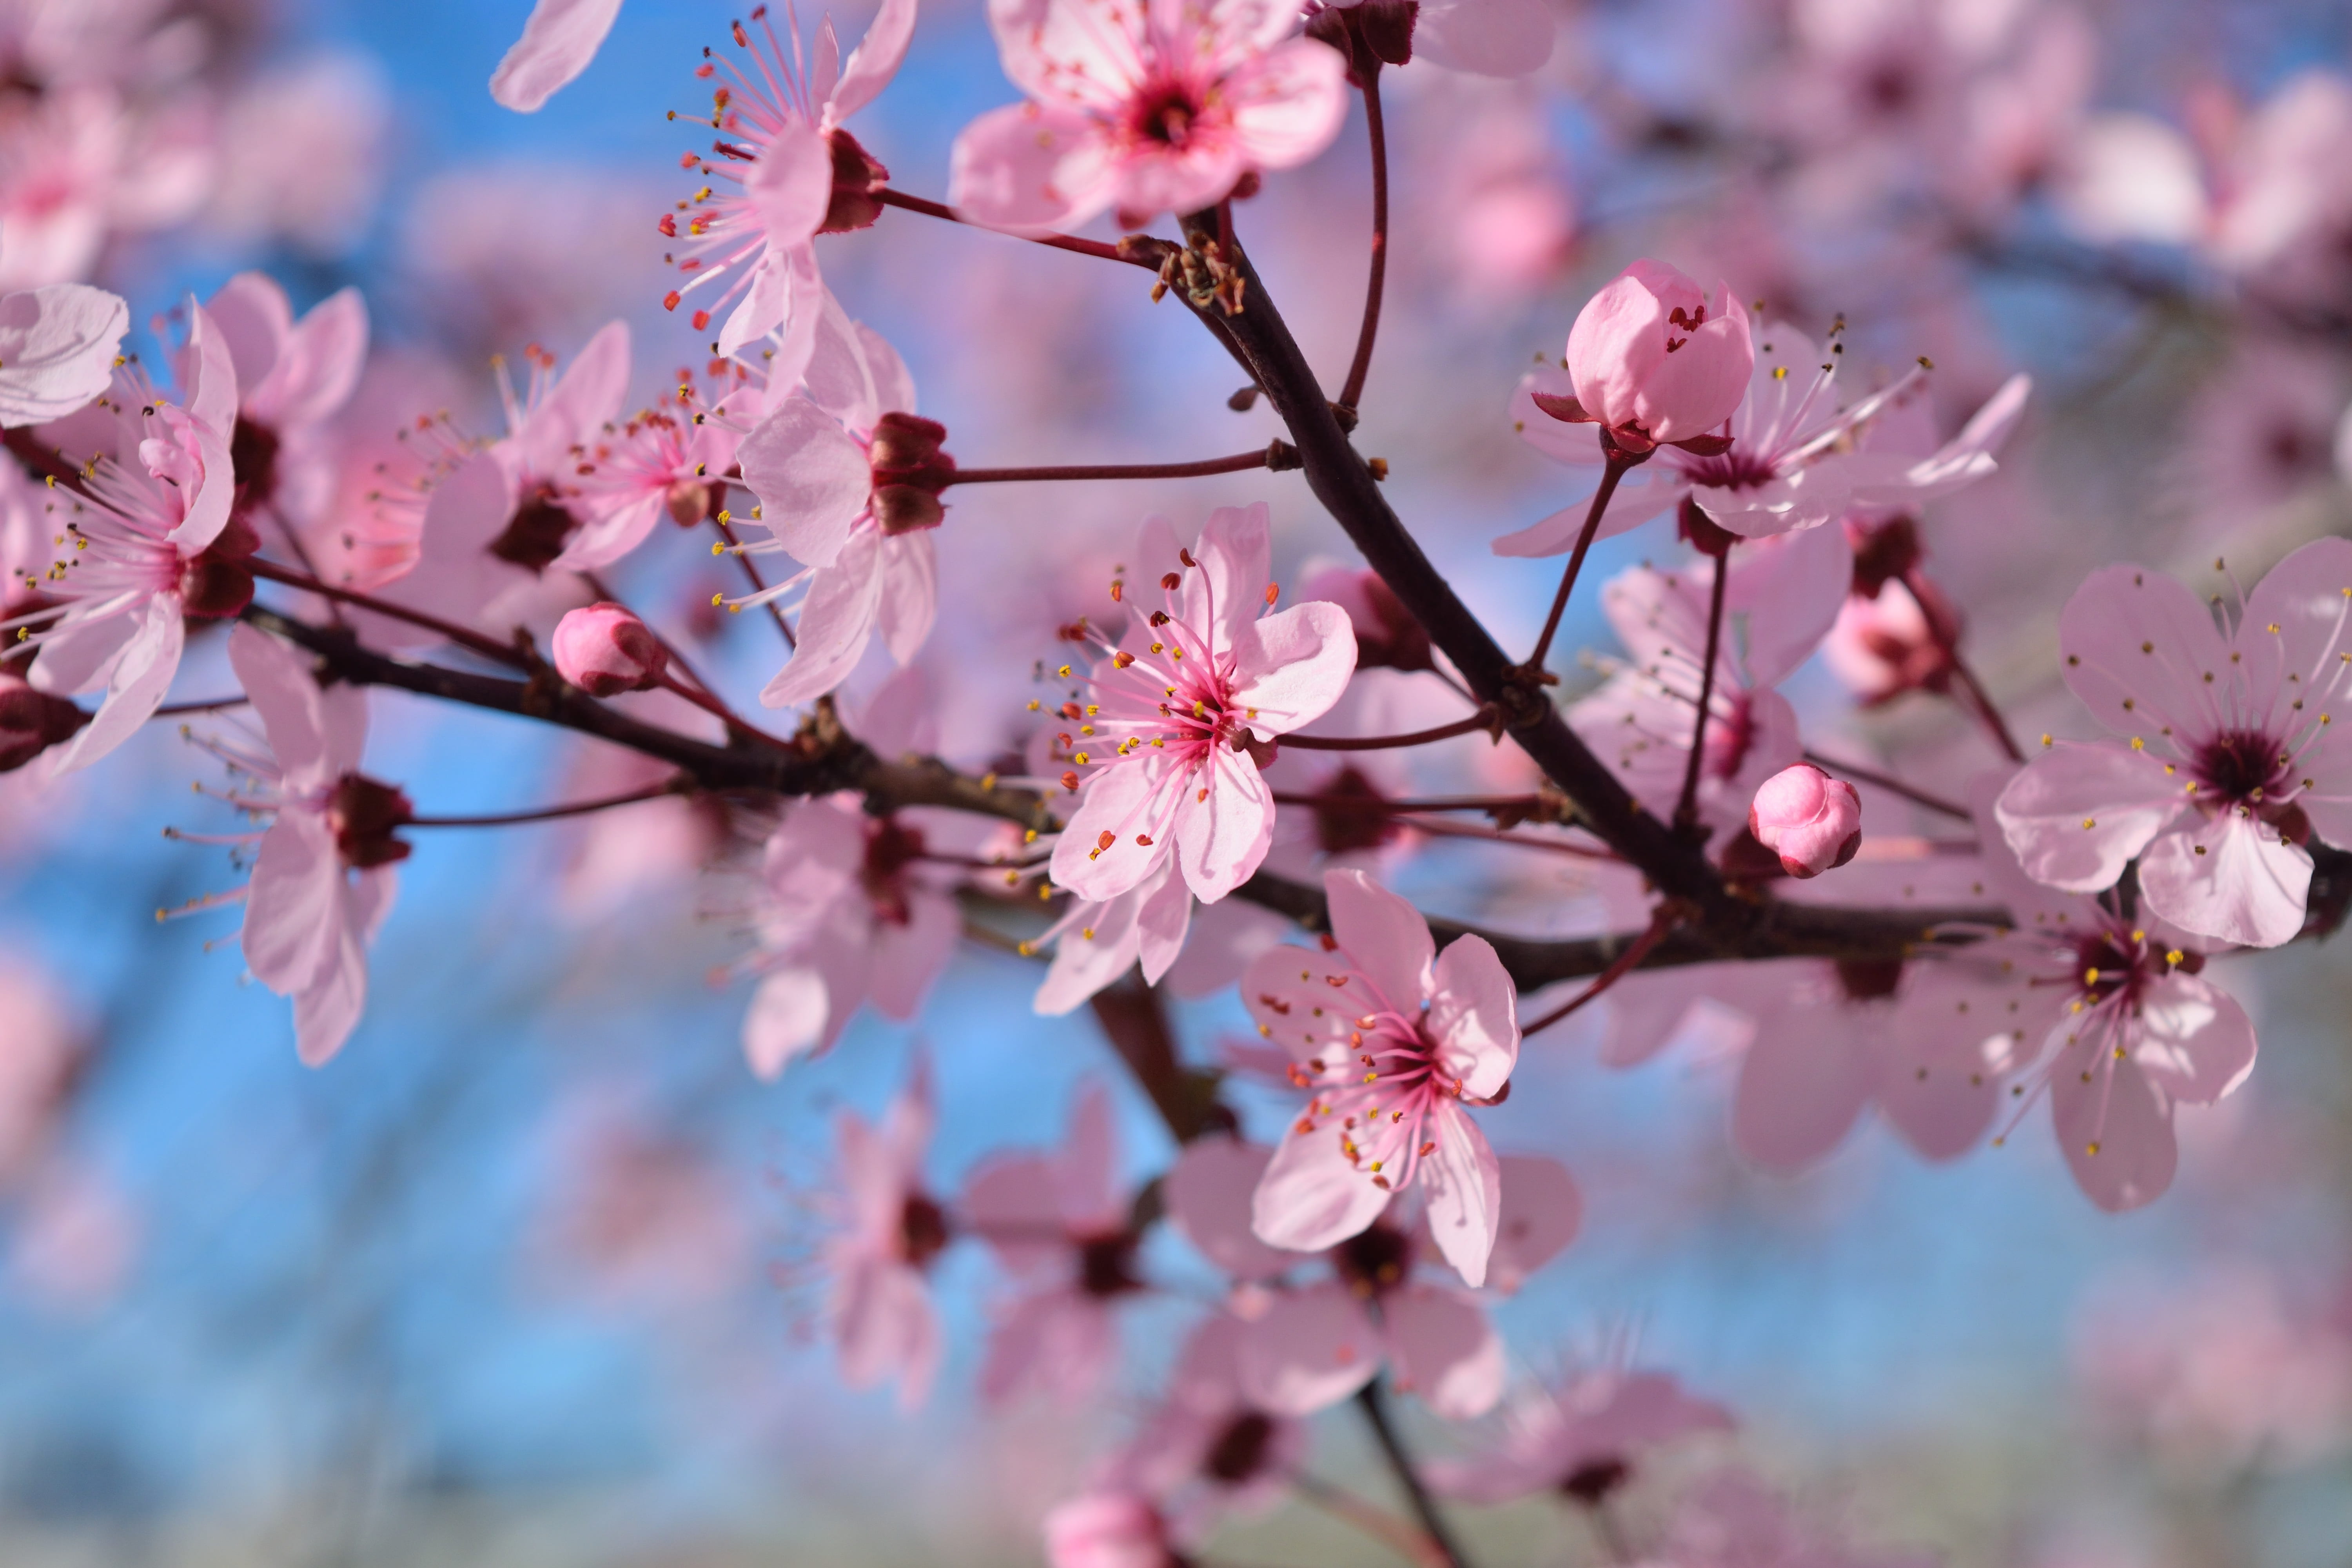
1376,279
1240,462
1484,719
1370,806
1892,786
1069,242
1370,1401
1686,808
171,709
1615,470
680,784
473,641
1973,696
1375,1521
1626,963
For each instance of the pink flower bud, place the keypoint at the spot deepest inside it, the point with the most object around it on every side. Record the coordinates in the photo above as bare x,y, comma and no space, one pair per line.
1108,1530
1652,357
1811,820
604,650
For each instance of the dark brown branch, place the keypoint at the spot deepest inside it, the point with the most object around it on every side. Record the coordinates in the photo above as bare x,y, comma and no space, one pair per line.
465,637
1416,1494
1136,1019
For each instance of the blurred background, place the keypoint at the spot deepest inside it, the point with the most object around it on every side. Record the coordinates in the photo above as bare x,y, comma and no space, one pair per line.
524,1276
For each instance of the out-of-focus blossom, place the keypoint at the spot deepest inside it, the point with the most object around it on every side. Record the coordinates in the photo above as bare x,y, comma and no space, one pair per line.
848,911
800,175
848,478
668,461
1109,1530
1060,1223
1732,1520
1392,1044
153,544
1653,360
293,379
1208,1446
1143,111
1583,1440
604,650
1484,38
58,346
2224,756
77,167
323,874
558,41
1387,635
2258,433
2286,202
639,1215
41,1054
882,1322
1811,820
301,155
1884,645
76,1238
1785,595
1177,715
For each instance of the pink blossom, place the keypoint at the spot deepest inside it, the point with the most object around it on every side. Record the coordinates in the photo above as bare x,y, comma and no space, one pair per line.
1811,820
302,155
41,1054
76,1238
1732,1520
153,545
1581,1438
78,166
293,378
1884,645
784,173
849,478
882,1322
1305,1347
1097,942
2225,756
1146,111
1796,459
1652,361
1392,1044
1172,722
1109,1530
662,461
323,876
557,43
2287,200
604,650
58,349
1060,1224
1781,598
637,1216
1208,1446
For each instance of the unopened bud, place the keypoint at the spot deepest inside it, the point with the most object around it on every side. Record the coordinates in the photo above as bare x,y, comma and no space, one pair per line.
1812,821
604,651
1651,357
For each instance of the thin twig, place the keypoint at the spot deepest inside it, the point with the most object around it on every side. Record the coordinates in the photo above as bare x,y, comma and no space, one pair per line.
1370,1401
1069,242
1892,786
1641,948
472,641
680,785
1614,469
1240,462
171,709
1377,277
1686,806
1484,719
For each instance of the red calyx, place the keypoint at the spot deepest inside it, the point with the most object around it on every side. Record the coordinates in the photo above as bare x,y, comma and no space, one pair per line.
364,814
856,176
910,472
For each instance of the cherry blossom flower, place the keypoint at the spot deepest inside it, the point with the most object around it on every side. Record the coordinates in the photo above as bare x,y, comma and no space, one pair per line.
1177,714
1732,1520
1208,1446
152,544
1583,1439
636,1216
322,875
1109,1530
293,379
663,461
849,478
848,910
882,1319
1146,111
1779,601
302,155
1392,1044
557,43
1811,820
604,649
1060,1224
79,166
1887,645
2114,1013
800,174
57,348
1796,459
2225,757
1305,1347
1653,360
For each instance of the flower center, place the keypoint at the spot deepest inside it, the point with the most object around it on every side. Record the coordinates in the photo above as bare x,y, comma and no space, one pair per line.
891,849
1869,979
1240,1449
1352,815
2241,766
1737,470
2109,963
1375,1260
922,1230
534,537
363,815
1591,1482
1165,113
1107,1264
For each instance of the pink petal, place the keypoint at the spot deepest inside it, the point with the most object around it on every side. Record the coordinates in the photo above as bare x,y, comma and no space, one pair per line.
836,621
1115,801
557,43
1028,171
1289,992
1541,1212
1473,1015
874,62
1223,594
884,1326
1465,1185
2078,812
1383,935
1288,103
1220,841
2303,597
1053,1342
790,187
294,912
584,399
277,680
789,1017
1162,921
1087,1183
1087,54
1292,666
840,377
1309,1350
328,1009
82,655
57,350
909,959
1486,38
255,319
140,676
1789,591
1446,1351
910,594
2228,876
812,478
2139,649
1312,1195
1641,496
1804,1082
1210,1192
1013,1202
2120,1113
321,366
2194,1042
1940,1082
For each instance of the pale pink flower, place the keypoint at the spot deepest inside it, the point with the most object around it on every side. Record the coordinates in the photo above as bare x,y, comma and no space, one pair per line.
302,155
1305,1347
637,1216
1392,1044
1095,942
1173,719
2224,757
322,875
1208,1446
1653,360
558,41
604,651
58,346
152,544
2286,203
784,173
1583,1439
2115,1013
668,460
78,166
1812,821
1780,600
1145,110
882,1319
76,1238
1884,645
1061,1224
293,378
848,479
1796,459
1109,1530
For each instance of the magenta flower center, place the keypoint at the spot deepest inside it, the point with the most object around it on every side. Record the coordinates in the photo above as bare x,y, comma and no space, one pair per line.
1240,1450
923,1230
1739,469
1165,112
1375,1261
1107,1264
2241,766
891,849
